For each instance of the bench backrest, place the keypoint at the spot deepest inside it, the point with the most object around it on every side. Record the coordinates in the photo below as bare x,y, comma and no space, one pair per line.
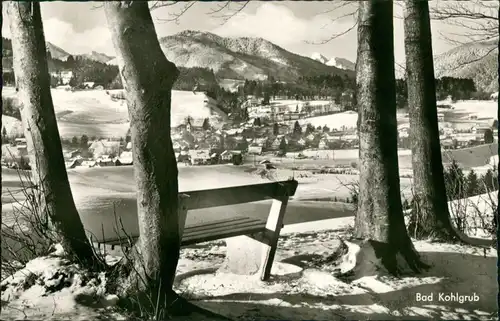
238,194
125,222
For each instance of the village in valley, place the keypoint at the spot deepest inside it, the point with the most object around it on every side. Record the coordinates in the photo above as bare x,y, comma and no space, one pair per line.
280,128
289,197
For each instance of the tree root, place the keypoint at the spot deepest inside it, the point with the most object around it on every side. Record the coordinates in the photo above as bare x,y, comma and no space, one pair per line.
144,297
376,257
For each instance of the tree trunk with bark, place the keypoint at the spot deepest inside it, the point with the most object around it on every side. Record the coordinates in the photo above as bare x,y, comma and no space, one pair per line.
379,221
430,214
148,78
40,129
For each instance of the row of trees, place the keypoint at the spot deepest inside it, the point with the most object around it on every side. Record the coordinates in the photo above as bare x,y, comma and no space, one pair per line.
149,78
334,87
456,88
459,185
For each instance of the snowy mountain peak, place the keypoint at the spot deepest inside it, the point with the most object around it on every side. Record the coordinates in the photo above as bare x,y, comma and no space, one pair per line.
319,57
340,63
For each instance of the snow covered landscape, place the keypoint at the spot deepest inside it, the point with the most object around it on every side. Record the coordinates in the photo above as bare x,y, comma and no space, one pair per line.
310,280
249,175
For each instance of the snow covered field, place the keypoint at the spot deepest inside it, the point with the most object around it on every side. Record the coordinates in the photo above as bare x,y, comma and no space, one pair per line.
341,121
94,113
480,108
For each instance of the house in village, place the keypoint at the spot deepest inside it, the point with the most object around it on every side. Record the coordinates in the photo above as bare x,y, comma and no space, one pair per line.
64,76
227,155
74,163
194,124
277,142
72,154
125,158
102,147
200,156
465,140
88,163
310,137
327,140
323,143
301,142
106,160
255,150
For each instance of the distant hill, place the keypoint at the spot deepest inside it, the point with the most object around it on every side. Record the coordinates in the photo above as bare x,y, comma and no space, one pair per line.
97,56
241,58
57,52
478,61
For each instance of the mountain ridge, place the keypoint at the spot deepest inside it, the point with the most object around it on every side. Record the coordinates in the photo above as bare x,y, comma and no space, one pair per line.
240,57
475,60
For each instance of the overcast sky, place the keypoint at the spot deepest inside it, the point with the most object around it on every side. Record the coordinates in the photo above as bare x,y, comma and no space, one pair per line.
79,27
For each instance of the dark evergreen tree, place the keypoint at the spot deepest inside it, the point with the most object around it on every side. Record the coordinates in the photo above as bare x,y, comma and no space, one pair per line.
488,136
206,124
283,145
84,141
276,129
297,129
472,184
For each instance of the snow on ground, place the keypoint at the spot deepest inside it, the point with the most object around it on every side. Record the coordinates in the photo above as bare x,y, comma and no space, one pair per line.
12,125
340,121
95,113
306,283
319,292
481,108
492,165
477,212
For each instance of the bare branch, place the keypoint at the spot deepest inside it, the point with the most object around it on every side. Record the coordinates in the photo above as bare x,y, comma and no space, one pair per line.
160,4
176,15
215,12
476,20
473,60
334,36
233,12
338,6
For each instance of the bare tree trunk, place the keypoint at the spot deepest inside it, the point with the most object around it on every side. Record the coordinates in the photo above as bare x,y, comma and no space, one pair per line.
40,129
379,220
430,213
148,78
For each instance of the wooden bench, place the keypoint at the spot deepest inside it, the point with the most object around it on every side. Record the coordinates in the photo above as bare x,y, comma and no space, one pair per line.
264,231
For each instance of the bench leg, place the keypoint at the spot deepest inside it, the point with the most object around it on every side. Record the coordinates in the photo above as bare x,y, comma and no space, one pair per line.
247,256
274,224
182,210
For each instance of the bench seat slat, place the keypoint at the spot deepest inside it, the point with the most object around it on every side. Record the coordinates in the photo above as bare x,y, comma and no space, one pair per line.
214,224
235,230
223,227
210,231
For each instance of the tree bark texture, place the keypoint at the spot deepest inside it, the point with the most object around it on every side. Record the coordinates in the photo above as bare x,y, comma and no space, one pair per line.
40,129
379,219
148,78
430,214
430,217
